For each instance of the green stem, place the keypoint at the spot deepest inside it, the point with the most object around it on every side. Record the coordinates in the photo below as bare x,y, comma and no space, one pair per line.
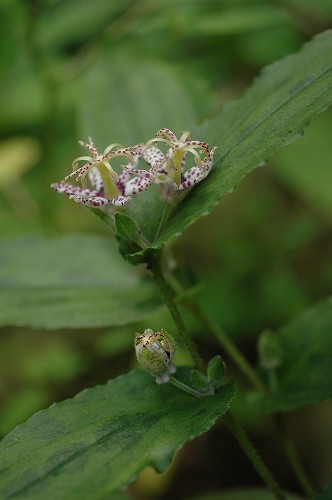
223,339
253,456
184,387
142,241
293,457
248,371
163,219
166,292
229,346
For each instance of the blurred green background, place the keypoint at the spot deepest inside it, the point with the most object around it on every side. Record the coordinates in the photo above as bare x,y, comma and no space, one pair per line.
118,71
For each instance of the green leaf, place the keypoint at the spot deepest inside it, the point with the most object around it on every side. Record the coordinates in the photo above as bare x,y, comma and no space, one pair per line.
240,19
269,350
134,98
326,493
101,439
66,24
311,177
242,494
305,374
74,282
272,113
76,307
126,227
128,235
216,371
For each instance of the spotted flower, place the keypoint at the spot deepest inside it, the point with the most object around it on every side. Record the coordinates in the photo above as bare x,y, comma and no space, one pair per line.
107,187
170,169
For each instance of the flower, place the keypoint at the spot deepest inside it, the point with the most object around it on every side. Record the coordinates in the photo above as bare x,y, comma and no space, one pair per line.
107,187
169,170
155,352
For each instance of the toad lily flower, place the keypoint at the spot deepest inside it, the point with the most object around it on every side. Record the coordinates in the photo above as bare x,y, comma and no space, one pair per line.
169,170
107,187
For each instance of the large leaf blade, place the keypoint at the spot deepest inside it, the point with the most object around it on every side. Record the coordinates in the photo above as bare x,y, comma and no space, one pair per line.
98,441
76,307
70,282
272,113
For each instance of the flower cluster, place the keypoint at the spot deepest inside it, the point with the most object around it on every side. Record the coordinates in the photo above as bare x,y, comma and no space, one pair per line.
169,169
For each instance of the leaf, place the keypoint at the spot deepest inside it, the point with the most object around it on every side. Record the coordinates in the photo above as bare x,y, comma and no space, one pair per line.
305,374
242,494
272,113
126,227
76,307
101,439
134,98
67,24
311,177
240,19
73,282
216,371
326,493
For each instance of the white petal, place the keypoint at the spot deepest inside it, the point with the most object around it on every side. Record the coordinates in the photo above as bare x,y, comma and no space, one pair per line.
94,201
136,185
70,190
95,178
120,201
153,156
192,177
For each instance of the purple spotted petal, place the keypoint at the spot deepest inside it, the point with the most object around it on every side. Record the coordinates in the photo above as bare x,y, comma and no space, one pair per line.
168,133
193,176
141,172
95,179
154,156
99,201
120,201
183,163
137,185
197,174
123,178
70,190
93,201
198,144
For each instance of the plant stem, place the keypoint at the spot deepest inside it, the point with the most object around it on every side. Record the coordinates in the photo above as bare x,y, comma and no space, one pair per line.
166,292
164,217
293,457
249,372
253,456
184,387
232,350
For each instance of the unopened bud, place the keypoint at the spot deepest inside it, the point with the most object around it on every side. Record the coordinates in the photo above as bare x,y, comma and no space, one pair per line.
155,351
269,350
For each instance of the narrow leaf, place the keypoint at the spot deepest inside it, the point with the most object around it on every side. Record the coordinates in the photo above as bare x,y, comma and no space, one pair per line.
126,227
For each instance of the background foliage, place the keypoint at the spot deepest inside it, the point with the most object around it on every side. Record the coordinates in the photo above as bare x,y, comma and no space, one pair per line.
119,71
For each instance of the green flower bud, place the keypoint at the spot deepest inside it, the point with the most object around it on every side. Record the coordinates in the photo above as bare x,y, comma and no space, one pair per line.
155,351
269,350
